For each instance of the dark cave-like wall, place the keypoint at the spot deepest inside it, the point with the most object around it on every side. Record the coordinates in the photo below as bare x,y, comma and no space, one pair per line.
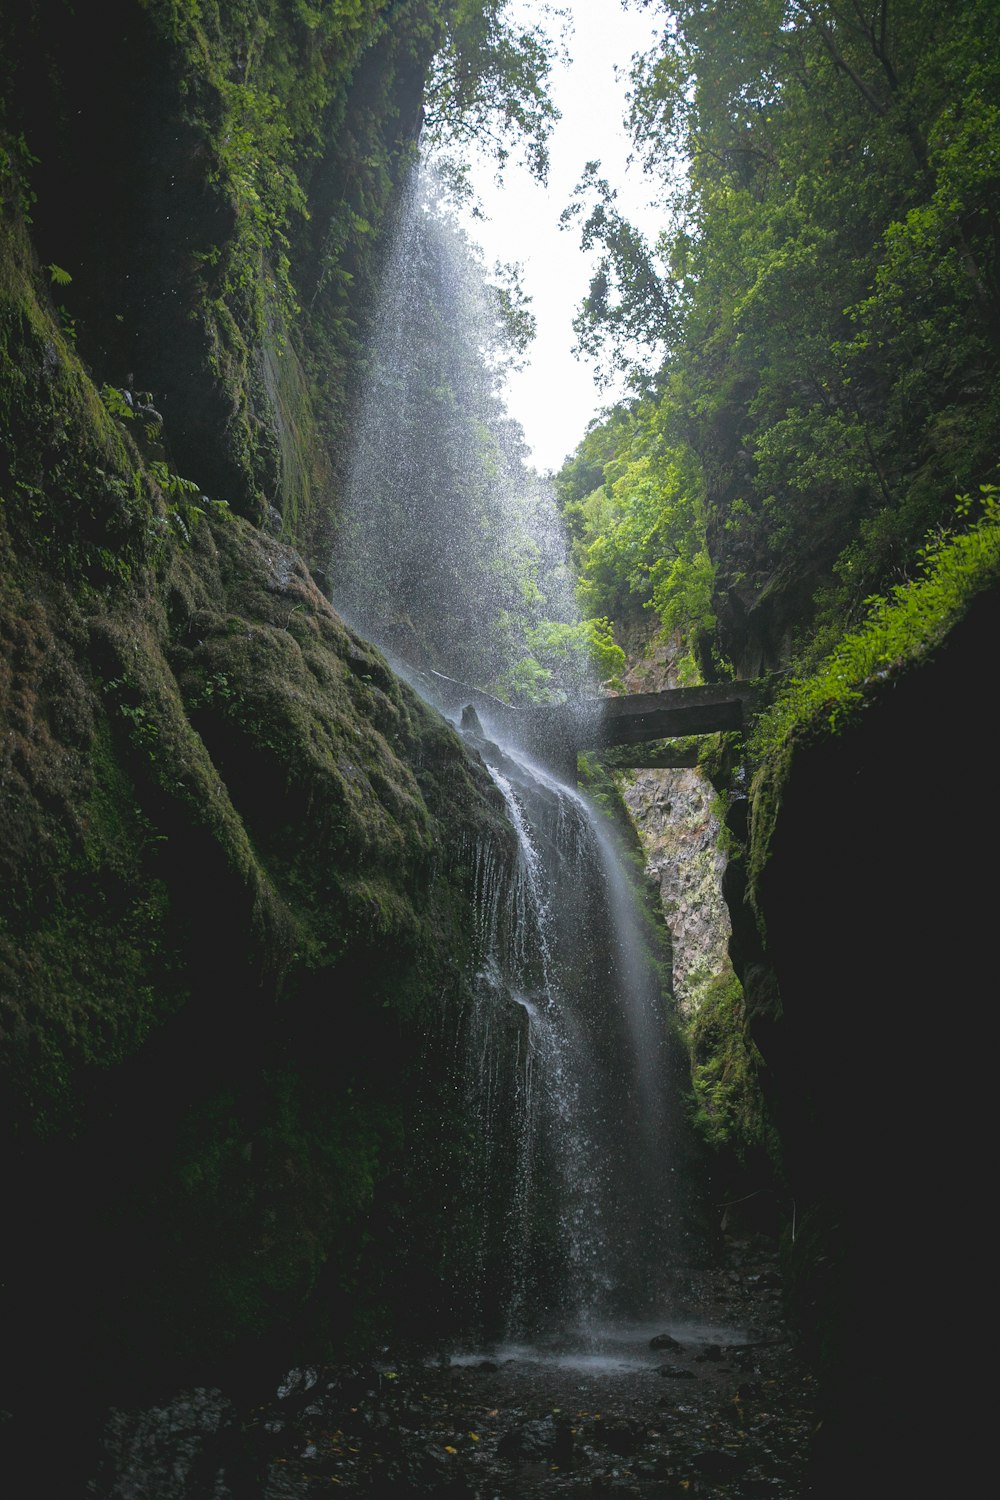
878,896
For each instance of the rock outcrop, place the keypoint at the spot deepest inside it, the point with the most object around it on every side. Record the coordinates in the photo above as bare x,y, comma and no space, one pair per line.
237,856
678,826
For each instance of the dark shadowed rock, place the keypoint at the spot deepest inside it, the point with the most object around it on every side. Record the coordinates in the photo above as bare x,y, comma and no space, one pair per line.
717,1463
547,1437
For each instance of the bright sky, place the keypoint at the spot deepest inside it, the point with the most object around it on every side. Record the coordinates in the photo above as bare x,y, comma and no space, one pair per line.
555,396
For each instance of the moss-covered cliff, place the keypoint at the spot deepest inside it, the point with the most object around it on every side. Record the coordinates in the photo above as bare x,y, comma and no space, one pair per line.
235,853
215,180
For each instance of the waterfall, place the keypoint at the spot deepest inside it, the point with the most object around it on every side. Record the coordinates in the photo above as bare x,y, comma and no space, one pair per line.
587,1215
447,545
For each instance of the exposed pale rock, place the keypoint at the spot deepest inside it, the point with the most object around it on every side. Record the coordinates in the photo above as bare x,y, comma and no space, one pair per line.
672,814
679,832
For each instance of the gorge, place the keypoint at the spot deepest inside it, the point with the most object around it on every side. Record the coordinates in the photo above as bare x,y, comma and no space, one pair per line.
354,1134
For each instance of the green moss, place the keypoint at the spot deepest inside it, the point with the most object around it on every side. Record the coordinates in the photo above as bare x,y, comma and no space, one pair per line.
81,861
236,856
899,630
266,142
72,496
235,897
725,1066
283,1174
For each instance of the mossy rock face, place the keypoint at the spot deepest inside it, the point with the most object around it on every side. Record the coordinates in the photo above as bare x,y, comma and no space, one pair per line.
211,191
237,858
236,915
233,907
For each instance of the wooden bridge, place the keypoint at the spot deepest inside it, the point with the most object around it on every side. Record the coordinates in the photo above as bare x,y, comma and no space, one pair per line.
556,733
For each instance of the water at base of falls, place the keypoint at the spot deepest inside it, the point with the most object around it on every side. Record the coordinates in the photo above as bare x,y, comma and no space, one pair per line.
565,1060
605,1348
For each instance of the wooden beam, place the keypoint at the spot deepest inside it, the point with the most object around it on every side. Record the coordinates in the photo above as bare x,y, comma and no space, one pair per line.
635,717
556,733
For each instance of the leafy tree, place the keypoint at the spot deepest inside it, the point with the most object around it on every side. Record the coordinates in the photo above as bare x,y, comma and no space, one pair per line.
639,534
567,659
489,87
823,302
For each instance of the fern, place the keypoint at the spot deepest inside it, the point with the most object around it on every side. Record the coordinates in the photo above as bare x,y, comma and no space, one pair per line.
900,628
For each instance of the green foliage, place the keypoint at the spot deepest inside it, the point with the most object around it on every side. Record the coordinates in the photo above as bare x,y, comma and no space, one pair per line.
724,1071
183,497
639,534
259,83
900,628
488,87
71,495
568,659
630,303
16,162
143,729
513,312
116,405
827,283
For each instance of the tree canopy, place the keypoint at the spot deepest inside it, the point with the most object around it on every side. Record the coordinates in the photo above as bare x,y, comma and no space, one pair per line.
821,311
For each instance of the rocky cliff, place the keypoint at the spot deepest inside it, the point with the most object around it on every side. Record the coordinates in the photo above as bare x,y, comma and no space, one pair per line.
857,878
236,855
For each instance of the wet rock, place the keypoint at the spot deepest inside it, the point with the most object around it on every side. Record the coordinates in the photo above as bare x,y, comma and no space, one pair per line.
676,1372
672,811
622,1436
545,1437
302,1391
186,1449
283,1483
718,1463
664,1341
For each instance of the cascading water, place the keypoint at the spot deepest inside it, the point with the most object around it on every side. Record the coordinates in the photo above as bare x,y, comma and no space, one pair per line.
589,1220
447,544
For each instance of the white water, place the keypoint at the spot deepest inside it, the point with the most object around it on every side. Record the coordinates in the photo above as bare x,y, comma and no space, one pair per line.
610,1348
589,1223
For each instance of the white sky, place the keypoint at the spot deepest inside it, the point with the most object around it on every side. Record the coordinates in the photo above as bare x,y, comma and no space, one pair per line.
555,396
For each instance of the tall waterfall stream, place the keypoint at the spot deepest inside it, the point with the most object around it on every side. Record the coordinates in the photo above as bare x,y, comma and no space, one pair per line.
580,1133
565,1052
